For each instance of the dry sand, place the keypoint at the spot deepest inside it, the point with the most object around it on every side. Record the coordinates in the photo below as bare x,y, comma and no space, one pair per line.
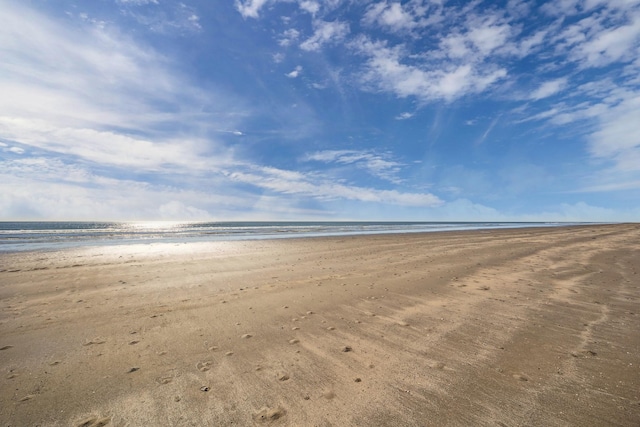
536,327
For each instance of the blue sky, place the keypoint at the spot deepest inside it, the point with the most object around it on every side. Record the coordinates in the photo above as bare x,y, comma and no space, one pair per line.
334,110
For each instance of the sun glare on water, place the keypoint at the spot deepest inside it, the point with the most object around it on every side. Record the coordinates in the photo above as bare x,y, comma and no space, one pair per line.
156,225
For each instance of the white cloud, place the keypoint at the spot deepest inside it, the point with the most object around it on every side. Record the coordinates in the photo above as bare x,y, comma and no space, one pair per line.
560,7
99,101
404,116
296,183
325,33
16,150
295,73
527,45
489,129
106,147
576,7
488,33
618,138
378,165
176,210
549,88
392,16
309,6
611,45
611,35
165,18
385,71
479,38
250,8
104,78
289,37
618,185
37,188
518,8
455,46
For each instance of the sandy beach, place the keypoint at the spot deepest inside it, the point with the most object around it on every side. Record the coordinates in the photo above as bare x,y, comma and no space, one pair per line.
522,327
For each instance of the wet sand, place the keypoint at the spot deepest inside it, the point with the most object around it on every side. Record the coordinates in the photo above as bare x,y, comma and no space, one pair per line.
498,328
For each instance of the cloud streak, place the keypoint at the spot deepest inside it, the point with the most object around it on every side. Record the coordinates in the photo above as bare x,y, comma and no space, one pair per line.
327,189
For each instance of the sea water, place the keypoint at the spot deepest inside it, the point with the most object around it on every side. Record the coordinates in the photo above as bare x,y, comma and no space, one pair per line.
26,236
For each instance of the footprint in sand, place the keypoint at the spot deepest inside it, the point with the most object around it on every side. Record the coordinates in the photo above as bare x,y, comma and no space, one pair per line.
204,366
94,341
520,377
164,380
283,376
267,415
329,394
94,422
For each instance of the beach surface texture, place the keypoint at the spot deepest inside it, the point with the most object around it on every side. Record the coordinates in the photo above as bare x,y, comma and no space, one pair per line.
521,327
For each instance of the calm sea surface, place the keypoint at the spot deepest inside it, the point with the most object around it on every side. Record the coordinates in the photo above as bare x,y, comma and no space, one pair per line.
25,236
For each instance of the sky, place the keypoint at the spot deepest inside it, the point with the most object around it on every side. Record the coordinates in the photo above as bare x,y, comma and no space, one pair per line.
420,110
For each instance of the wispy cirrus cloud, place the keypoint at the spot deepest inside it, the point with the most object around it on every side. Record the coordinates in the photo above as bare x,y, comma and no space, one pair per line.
325,32
80,106
378,165
99,103
618,138
164,18
324,188
549,88
45,187
385,70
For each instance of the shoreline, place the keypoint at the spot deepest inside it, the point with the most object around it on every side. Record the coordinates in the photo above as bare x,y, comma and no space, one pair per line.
66,238
535,326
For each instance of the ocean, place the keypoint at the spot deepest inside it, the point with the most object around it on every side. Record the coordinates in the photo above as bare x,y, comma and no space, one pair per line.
32,236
